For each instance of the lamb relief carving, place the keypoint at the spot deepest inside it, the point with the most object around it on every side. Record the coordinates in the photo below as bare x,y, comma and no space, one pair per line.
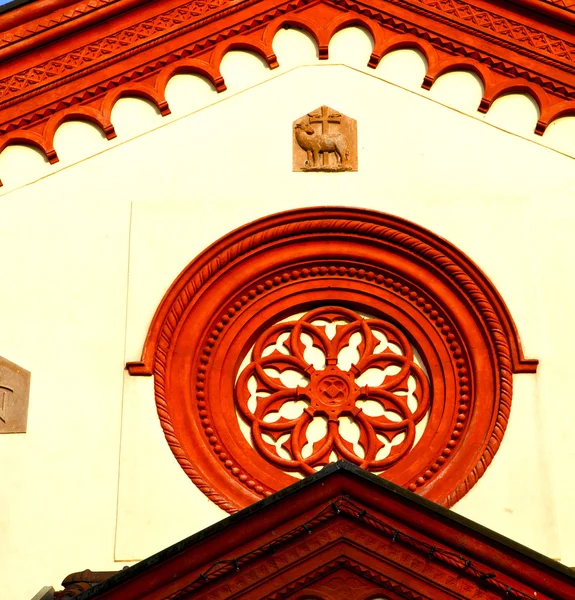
325,140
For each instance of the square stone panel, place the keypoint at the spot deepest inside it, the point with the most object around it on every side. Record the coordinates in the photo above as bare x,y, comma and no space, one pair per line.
14,394
325,140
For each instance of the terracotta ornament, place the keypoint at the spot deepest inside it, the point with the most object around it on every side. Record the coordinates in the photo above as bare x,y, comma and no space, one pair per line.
14,393
63,60
295,330
331,392
325,140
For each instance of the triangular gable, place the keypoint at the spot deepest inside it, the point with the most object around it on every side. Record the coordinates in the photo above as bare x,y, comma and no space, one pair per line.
342,533
67,60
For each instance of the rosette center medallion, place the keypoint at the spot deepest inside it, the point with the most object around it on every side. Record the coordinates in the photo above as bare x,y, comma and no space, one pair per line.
334,393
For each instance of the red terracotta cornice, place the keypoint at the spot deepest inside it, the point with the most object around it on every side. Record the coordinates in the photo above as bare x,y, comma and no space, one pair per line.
39,23
562,10
65,60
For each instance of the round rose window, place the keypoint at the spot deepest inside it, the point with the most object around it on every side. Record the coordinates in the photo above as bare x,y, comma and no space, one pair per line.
331,384
325,334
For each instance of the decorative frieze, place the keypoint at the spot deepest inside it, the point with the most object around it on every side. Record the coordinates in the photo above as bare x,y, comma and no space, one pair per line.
325,140
81,73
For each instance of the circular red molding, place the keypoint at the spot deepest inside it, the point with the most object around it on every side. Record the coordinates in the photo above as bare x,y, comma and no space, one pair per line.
417,305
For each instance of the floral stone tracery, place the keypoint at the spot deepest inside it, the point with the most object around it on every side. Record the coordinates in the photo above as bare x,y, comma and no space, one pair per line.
260,320
331,392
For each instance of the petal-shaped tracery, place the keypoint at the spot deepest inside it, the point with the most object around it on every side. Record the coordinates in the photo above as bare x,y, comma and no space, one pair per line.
333,393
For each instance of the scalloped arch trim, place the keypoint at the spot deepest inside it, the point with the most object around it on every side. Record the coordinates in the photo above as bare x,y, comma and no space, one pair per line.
83,74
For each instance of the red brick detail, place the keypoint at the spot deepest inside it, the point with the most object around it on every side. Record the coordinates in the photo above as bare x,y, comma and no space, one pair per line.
76,56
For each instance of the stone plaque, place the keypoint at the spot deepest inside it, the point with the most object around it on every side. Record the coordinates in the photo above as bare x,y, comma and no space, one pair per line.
14,392
325,140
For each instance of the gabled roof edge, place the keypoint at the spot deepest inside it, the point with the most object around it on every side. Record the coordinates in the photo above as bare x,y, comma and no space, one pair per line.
331,469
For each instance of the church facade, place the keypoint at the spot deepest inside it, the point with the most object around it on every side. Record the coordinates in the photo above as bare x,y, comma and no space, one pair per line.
244,239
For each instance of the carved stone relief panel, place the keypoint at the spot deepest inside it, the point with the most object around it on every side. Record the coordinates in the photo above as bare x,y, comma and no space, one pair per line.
325,140
14,392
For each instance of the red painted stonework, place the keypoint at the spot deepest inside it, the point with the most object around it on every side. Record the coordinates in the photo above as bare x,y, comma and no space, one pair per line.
332,265
342,534
332,392
63,60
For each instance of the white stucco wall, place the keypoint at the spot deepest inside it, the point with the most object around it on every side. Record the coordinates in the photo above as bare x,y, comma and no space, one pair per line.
91,244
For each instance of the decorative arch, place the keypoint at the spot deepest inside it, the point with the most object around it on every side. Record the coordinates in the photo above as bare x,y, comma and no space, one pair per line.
452,348
197,67
28,138
454,65
80,58
84,114
258,47
411,42
135,90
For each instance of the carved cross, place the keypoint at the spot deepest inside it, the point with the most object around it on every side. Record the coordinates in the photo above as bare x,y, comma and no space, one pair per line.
324,118
331,147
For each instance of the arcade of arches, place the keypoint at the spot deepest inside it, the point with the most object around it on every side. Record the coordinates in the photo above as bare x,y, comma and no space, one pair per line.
173,182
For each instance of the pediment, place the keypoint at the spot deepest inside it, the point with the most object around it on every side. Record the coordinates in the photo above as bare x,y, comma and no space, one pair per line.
341,534
67,60
342,576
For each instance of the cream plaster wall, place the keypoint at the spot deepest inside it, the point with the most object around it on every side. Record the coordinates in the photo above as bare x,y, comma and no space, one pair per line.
91,244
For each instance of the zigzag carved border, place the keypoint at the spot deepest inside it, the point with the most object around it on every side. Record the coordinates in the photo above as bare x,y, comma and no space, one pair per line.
81,77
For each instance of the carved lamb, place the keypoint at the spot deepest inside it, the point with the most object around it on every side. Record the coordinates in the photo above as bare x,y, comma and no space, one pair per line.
314,143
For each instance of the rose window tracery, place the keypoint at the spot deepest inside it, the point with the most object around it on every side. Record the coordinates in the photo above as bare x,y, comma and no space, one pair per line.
327,333
333,384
